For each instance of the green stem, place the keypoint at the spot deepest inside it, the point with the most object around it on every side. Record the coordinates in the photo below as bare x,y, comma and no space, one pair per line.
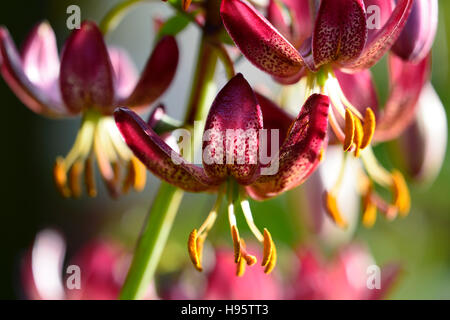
115,15
152,241
167,201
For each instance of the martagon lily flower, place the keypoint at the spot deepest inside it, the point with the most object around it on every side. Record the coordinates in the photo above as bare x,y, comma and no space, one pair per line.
331,53
236,109
91,80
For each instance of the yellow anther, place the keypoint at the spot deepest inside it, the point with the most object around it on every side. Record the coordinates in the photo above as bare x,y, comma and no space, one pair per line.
349,130
359,133
369,209
248,258
74,178
273,260
140,174
60,177
333,211
321,155
268,248
402,199
185,4
240,268
89,178
236,243
193,250
368,128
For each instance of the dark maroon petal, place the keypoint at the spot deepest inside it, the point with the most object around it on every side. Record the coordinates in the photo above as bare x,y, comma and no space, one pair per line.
124,70
378,13
292,18
406,82
418,35
34,97
87,75
359,89
157,75
340,32
231,142
258,40
382,40
157,156
300,153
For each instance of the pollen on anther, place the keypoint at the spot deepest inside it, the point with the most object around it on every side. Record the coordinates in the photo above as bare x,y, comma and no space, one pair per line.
268,248
60,177
402,198
368,128
192,249
333,210
359,134
349,130
236,243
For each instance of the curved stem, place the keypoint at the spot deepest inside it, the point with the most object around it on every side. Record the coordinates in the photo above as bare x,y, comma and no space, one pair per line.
116,14
152,241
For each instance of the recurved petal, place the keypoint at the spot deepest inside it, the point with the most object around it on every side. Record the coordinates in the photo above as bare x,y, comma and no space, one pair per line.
359,89
417,37
157,156
157,75
124,70
406,82
87,75
300,153
340,32
258,40
231,141
34,97
378,13
381,41
292,18
40,58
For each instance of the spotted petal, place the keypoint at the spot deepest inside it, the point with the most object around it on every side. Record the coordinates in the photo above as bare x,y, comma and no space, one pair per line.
340,32
157,75
406,81
231,141
87,75
300,153
34,87
157,156
258,40
382,41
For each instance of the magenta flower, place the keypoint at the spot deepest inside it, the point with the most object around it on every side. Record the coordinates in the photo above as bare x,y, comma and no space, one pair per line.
344,278
102,268
91,80
236,109
340,37
418,35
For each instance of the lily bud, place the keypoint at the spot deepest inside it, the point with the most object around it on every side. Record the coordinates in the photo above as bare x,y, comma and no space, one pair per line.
418,35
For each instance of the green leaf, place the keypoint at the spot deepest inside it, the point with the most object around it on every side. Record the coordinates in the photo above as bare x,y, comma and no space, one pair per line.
173,26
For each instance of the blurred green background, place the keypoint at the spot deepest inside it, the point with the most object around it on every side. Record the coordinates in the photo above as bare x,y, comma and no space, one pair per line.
30,144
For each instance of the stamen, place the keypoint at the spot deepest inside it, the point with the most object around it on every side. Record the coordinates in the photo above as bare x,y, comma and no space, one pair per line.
369,210
379,174
245,205
359,133
368,128
250,259
268,248
402,199
140,174
321,155
74,179
89,178
236,243
389,211
349,130
193,252
240,268
60,177
272,262
333,211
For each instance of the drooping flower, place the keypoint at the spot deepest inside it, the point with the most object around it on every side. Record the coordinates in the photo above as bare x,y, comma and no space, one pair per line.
91,81
340,37
96,272
231,158
417,37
